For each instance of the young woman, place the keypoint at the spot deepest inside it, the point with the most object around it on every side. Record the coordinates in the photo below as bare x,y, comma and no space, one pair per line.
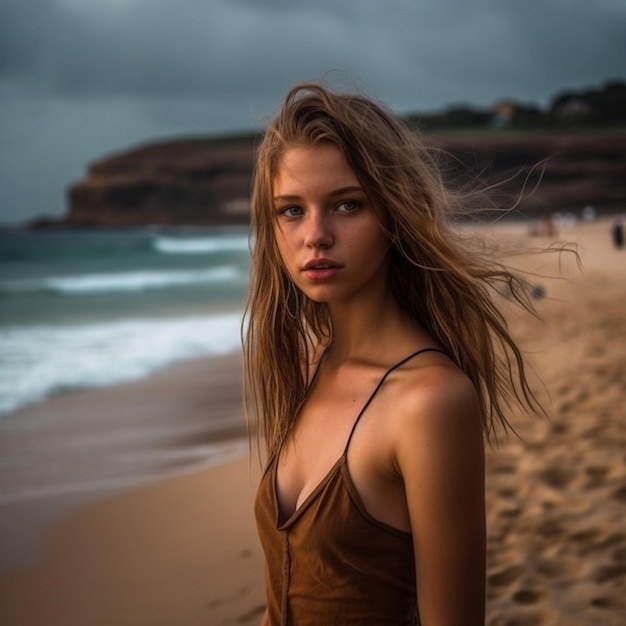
376,361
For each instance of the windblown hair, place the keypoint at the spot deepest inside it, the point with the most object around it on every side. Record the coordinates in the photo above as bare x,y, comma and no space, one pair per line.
446,284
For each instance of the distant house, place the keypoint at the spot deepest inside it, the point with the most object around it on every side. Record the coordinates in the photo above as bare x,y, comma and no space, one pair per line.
572,106
503,113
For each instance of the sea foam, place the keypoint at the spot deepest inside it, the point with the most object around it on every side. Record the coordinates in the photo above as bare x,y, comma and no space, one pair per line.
200,245
123,282
39,361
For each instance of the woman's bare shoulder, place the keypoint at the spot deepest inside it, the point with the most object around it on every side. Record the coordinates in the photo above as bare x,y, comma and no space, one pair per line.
434,378
433,400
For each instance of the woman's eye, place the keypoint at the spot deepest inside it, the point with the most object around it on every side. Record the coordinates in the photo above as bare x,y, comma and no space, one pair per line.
348,206
291,211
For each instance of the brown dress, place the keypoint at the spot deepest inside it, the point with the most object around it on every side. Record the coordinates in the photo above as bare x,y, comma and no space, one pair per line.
331,562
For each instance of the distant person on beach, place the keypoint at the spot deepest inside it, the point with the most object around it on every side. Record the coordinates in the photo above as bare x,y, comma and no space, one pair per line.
376,364
617,231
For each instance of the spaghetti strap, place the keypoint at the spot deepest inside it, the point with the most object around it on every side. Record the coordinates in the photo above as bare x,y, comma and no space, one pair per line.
380,384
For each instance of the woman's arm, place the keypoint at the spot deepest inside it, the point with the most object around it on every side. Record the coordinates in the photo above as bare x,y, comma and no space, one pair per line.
440,455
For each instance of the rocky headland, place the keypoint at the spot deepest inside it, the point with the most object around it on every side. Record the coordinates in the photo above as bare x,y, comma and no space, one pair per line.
206,181
200,182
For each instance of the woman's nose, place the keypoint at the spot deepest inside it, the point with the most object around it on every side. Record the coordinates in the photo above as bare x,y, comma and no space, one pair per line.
318,231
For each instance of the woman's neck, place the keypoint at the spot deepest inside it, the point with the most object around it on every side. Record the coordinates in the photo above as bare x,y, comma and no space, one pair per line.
368,330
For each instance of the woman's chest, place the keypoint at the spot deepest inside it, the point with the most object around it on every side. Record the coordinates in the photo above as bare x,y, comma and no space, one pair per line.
329,427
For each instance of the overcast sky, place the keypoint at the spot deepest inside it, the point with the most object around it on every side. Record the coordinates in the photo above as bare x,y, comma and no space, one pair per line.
80,79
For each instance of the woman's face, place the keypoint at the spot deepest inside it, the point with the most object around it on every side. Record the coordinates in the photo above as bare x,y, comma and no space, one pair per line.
328,234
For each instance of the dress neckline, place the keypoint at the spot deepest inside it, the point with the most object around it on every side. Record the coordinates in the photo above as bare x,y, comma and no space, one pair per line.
283,524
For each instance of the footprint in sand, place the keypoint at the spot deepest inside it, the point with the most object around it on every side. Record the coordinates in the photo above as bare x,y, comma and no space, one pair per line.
596,475
553,569
528,596
551,529
504,468
611,540
609,573
559,428
595,541
602,602
565,407
564,389
585,537
620,554
557,477
619,494
505,576
592,433
583,395
617,376
511,513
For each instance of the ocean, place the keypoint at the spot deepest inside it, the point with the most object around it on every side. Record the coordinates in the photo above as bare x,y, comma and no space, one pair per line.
85,309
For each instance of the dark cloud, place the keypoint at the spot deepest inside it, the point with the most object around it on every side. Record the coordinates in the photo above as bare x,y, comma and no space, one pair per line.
106,74
161,48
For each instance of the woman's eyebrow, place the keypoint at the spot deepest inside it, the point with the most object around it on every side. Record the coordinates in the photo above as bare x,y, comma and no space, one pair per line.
336,192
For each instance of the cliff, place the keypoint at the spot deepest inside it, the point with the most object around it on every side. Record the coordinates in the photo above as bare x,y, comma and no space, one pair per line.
549,173
193,181
207,181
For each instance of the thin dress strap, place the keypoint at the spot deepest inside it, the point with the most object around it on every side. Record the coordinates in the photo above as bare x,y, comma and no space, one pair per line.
380,384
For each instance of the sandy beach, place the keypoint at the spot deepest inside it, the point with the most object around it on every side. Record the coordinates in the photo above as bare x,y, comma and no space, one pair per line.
133,504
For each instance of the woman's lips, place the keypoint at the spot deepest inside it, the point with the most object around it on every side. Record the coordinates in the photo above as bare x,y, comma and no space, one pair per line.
317,274
321,269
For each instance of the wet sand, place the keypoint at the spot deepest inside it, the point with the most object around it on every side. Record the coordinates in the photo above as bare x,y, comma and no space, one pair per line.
112,513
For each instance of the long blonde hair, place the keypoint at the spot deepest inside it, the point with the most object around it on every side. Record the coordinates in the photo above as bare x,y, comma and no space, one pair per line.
445,284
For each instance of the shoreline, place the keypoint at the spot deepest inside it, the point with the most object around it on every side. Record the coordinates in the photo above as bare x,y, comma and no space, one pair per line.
84,446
